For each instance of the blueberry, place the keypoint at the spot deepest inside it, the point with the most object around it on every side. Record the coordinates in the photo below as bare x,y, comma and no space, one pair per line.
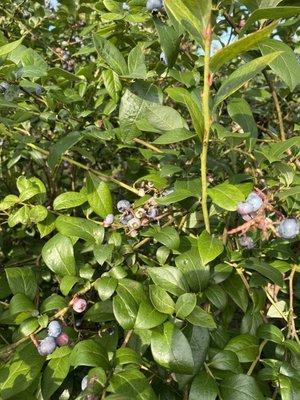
54,328
123,205
110,330
47,346
84,382
38,90
246,241
62,339
125,6
289,228
166,192
109,219
254,200
4,86
79,305
134,223
163,58
244,208
125,219
154,5
152,212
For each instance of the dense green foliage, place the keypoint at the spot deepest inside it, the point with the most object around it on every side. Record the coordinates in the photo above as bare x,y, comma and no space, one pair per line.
182,112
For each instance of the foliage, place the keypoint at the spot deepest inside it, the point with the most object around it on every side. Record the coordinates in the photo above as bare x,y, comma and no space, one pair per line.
188,112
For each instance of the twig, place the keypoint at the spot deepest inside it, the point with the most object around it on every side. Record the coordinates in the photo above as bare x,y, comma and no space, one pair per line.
291,317
254,363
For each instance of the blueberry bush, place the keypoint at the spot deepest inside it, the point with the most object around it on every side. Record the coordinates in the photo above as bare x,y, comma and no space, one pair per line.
150,199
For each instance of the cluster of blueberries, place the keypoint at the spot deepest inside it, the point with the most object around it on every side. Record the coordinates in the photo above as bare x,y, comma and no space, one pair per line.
132,219
56,336
5,86
287,229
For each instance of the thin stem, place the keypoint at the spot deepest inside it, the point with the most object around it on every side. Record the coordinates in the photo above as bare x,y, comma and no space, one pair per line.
255,362
78,164
149,145
277,105
207,124
291,317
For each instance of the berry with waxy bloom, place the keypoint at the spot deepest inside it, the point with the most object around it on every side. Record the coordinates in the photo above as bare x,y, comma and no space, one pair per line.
109,219
255,200
245,208
247,242
123,205
84,382
47,346
79,305
154,5
54,328
289,228
163,58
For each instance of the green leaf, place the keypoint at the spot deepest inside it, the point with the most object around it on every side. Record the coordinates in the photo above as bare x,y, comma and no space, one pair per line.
171,349
238,47
106,287
271,13
265,269
99,196
270,332
16,376
9,47
199,340
202,318
292,192
111,55
22,280
89,353
174,136
148,317
163,118
203,387
242,75
101,311
37,214
170,279
53,302
191,15
226,196
161,300
236,291
54,374
58,255
192,102
240,387
226,360
61,146
244,346
276,151
112,83
67,282
131,384
169,237
217,296
185,304
80,227
125,355
169,40
192,268
286,65
174,197
21,306
209,247
240,111
69,200
136,63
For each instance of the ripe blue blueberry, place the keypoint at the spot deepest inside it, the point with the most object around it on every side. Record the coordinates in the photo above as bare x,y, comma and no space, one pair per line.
47,346
123,205
125,219
163,58
125,6
254,200
4,86
289,228
244,208
246,241
154,5
152,212
109,219
54,328
84,382
38,90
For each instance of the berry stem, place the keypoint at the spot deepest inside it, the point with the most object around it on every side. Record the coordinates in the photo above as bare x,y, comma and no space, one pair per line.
207,124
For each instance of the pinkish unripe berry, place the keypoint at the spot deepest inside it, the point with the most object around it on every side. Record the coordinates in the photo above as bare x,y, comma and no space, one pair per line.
79,305
62,339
